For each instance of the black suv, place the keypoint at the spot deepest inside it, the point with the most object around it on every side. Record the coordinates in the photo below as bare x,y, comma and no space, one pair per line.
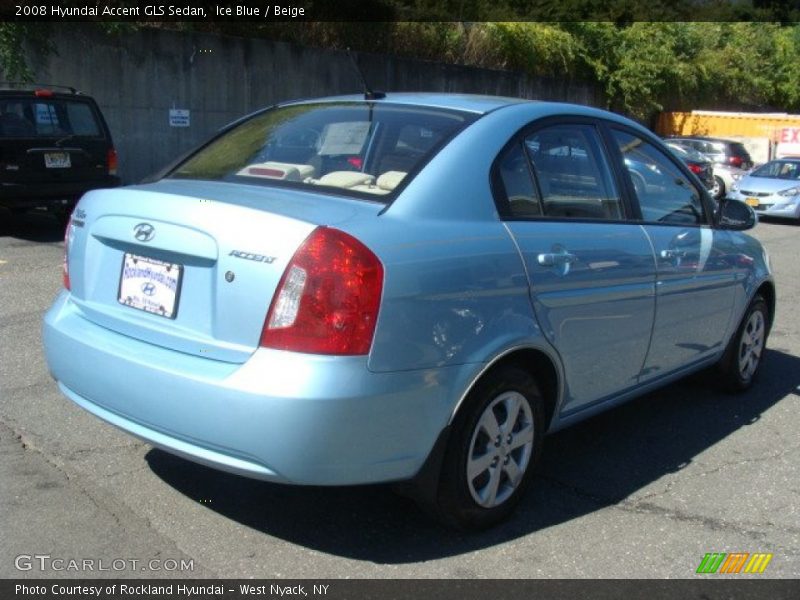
54,146
721,151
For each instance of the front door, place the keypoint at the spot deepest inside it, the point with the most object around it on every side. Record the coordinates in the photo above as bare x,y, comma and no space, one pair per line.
694,299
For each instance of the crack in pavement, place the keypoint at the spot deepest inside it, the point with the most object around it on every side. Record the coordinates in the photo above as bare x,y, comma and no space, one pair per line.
105,502
639,506
20,388
21,318
685,476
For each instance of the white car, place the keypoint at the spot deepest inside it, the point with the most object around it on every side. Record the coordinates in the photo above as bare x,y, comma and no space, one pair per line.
725,177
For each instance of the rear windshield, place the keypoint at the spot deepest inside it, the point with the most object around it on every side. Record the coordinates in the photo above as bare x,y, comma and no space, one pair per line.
779,169
31,117
362,149
738,149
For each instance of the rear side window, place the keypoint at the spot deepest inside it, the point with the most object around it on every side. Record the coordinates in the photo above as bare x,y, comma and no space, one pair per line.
30,117
560,172
363,149
572,173
514,173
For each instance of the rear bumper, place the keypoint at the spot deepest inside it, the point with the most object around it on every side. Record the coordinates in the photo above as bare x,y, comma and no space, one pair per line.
280,416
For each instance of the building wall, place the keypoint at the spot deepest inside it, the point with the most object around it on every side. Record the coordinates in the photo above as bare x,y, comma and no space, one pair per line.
137,77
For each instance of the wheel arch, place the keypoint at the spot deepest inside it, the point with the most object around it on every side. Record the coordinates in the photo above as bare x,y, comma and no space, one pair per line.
540,364
767,290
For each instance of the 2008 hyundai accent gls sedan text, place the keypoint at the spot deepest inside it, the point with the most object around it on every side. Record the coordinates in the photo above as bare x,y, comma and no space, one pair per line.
413,288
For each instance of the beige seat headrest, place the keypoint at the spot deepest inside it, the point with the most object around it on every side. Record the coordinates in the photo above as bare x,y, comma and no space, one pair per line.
346,179
390,180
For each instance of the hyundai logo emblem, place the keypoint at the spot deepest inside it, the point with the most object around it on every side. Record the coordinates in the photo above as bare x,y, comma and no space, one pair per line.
144,232
148,288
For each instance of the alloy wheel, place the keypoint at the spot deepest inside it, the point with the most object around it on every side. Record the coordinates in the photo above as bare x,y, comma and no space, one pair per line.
500,449
751,344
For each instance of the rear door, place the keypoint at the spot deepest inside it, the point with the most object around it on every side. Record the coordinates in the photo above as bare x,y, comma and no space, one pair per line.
592,272
696,275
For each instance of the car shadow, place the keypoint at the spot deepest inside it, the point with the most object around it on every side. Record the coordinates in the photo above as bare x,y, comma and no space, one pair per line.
592,465
33,226
777,221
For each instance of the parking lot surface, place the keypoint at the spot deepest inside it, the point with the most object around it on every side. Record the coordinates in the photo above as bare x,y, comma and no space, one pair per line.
645,490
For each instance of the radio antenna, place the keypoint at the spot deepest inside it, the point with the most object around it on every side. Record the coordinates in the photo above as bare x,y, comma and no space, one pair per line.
368,93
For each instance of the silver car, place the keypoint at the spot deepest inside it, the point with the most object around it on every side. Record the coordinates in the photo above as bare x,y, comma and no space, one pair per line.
773,189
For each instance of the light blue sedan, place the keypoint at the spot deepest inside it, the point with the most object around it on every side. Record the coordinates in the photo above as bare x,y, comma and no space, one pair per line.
413,288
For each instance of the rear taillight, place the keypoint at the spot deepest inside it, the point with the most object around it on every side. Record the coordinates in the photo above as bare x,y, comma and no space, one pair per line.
736,161
111,161
328,297
696,169
41,93
67,239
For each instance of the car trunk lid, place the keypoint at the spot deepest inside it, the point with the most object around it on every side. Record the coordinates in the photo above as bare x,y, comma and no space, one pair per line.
191,266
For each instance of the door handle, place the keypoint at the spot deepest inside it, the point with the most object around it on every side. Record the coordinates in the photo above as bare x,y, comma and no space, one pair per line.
551,259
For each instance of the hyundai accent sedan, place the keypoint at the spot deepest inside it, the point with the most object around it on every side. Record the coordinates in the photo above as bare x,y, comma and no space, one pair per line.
410,289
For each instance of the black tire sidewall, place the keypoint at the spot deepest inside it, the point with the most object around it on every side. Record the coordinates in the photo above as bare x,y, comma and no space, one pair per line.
733,379
721,192
456,505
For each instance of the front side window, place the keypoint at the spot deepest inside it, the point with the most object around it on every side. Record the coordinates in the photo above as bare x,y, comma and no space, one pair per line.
361,148
664,193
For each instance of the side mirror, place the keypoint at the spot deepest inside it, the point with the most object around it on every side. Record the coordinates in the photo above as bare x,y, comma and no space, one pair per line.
735,215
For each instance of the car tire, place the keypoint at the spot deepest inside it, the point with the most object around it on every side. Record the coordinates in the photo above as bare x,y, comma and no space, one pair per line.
745,352
718,191
494,447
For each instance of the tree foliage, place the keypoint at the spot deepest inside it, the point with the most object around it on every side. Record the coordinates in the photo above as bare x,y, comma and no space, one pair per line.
12,57
640,67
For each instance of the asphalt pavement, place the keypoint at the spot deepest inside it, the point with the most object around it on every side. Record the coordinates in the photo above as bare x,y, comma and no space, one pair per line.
642,491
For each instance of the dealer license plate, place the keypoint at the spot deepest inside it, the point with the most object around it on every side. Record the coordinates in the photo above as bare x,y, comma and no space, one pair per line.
57,160
150,285
752,202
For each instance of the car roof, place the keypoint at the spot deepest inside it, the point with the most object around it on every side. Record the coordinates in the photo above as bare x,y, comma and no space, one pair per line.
705,138
476,104
473,103
49,93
